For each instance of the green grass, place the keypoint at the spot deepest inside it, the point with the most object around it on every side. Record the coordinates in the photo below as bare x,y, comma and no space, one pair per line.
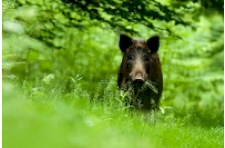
48,118
68,98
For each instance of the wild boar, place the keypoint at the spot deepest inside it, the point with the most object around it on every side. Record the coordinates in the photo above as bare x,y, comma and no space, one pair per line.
141,71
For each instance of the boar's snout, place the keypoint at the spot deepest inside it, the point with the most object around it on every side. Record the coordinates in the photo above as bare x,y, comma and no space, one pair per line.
138,78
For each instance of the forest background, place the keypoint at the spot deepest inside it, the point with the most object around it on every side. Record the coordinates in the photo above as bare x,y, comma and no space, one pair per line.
59,69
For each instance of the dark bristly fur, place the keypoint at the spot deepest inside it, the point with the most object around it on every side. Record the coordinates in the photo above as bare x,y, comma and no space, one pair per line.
141,71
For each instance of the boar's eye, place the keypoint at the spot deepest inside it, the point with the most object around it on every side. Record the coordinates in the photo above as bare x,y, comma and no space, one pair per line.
146,58
129,64
130,57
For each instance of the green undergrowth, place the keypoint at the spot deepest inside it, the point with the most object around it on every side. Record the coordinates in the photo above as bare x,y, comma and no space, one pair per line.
60,90
43,117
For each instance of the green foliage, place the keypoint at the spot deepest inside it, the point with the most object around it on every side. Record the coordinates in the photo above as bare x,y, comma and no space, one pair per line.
54,18
71,94
206,7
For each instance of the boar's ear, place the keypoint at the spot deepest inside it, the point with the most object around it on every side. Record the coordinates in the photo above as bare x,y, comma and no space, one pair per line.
153,43
125,42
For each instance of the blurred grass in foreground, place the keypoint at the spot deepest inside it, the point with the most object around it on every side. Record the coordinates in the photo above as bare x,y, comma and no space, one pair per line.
38,119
